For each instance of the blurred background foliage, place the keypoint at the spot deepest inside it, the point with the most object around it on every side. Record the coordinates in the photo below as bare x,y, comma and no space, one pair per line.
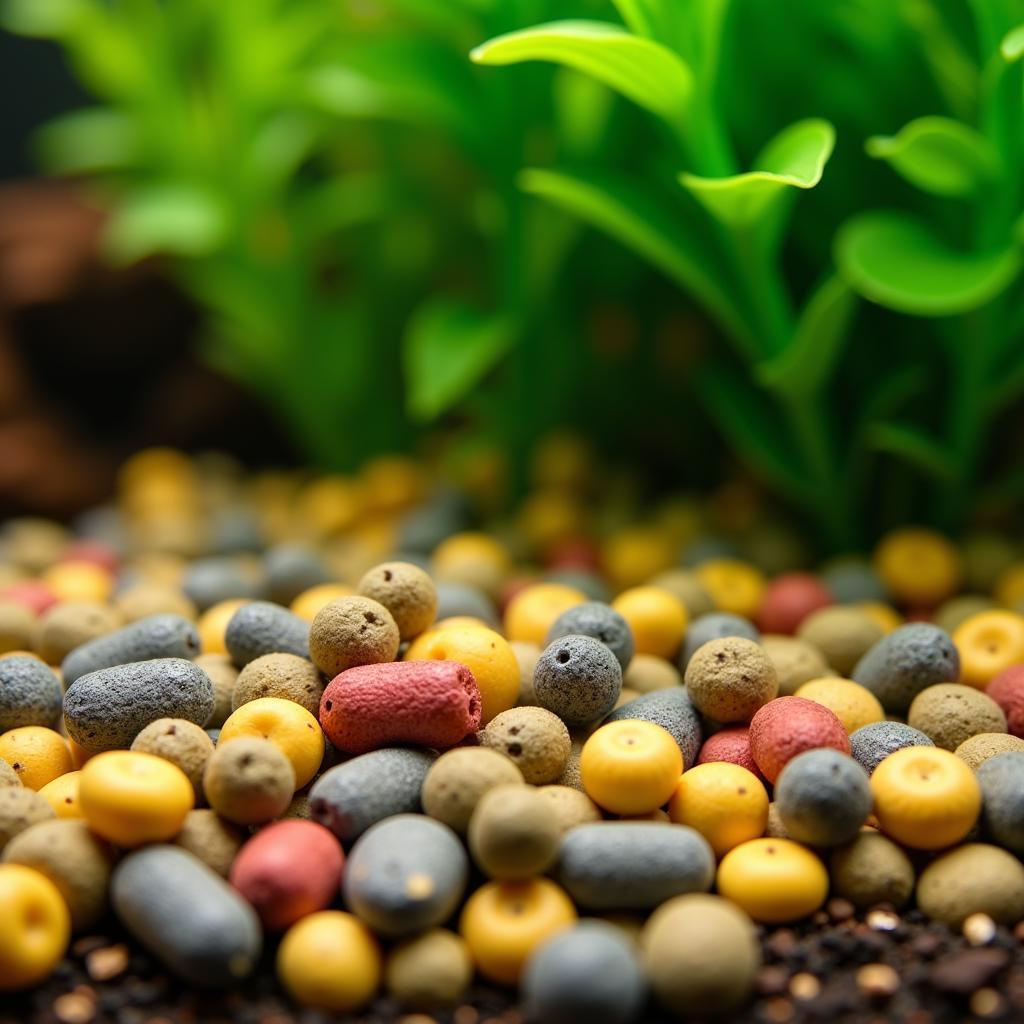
700,232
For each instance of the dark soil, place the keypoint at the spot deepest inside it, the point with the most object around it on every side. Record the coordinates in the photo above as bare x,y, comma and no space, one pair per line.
833,969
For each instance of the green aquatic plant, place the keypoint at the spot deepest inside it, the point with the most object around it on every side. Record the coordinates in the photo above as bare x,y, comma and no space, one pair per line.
722,229
335,185
955,256
388,237
210,149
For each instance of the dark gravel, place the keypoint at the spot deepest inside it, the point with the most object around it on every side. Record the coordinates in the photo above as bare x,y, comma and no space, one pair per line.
833,969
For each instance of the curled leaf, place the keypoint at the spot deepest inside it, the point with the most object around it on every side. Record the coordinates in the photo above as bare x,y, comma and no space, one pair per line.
894,260
644,71
795,158
938,155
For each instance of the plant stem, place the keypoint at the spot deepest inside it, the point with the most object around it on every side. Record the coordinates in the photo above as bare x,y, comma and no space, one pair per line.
706,142
969,365
805,413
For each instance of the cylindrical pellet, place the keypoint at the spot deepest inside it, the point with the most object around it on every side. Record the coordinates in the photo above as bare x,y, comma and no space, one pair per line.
352,796
405,875
159,636
187,915
612,865
427,703
30,694
260,628
106,710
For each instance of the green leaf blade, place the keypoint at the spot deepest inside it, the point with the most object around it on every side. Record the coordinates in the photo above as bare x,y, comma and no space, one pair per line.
644,71
88,141
1012,46
938,155
177,219
894,260
806,364
448,347
911,445
628,214
794,159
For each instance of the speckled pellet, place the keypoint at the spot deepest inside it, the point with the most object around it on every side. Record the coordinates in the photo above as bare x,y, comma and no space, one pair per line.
406,591
352,631
673,711
279,675
427,703
21,808
187,916
714,626
30,694
106,710
535,739
577,678
905,662
871,744
974,752
730,679
613,865
405,874
159,636
600,621
950,713
260,628
351,797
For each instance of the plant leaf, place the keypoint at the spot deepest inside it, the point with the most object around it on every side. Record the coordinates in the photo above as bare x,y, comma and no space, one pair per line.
406,80
87,141
803,368
644,71
1012,47
343,202
692,28
894,260
180,219
582,107
912,445
629,214
41,18
640,16
938,155
447,348
795,158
